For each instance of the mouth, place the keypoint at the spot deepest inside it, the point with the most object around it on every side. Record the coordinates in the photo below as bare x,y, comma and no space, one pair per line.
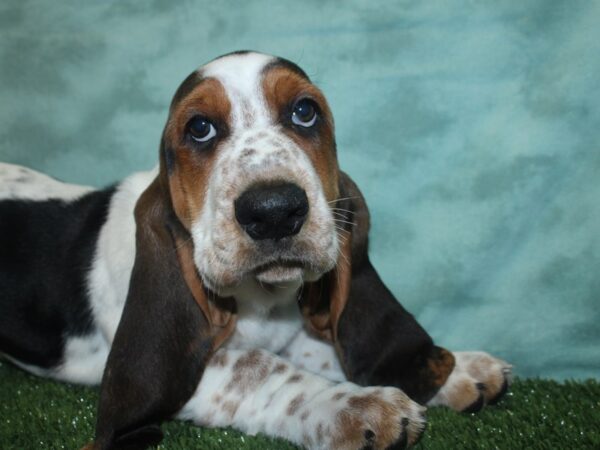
279,272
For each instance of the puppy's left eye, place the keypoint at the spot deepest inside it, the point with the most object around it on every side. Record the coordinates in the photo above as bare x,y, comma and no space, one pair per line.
200,129
304,113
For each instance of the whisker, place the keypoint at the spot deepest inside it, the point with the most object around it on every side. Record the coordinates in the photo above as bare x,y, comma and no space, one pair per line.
339,214
344,221
342,198
345,258
340,209
261,285
343,228
342,236
342,239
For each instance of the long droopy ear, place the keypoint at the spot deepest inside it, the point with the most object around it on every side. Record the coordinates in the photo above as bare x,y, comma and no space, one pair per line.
168,331
377,340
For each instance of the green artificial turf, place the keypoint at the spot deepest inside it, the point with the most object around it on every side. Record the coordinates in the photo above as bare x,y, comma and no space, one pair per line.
536,414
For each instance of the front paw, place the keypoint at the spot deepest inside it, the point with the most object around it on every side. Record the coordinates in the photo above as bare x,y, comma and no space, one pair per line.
478,379
371,418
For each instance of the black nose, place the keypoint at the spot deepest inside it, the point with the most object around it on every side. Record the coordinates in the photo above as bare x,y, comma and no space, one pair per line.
272,212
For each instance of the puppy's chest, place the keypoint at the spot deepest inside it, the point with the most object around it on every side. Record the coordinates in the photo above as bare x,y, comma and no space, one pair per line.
266,321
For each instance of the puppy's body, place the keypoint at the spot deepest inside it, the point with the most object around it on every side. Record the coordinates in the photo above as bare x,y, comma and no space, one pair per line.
208,285
94,276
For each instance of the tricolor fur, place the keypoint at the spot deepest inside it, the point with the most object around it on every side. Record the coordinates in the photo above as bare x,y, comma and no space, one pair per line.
156,280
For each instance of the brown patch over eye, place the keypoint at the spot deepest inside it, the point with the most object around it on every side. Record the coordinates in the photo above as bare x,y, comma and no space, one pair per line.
189,169
283,89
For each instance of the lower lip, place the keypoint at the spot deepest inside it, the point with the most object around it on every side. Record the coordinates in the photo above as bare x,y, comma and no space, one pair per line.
278,275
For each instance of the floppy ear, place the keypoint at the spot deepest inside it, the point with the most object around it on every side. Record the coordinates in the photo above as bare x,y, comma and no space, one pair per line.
377,340
167,332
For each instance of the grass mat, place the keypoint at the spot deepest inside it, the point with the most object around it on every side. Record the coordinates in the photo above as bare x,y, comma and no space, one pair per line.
536,414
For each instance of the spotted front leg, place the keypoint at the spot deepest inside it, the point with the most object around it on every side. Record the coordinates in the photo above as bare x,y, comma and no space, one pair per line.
315,355
258,392
478,379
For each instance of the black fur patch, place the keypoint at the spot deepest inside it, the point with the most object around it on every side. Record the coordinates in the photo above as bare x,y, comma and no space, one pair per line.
237,52
169,158
46,252
186,86
282,62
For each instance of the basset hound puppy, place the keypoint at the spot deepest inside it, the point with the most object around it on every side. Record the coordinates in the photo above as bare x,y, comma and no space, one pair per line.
231,286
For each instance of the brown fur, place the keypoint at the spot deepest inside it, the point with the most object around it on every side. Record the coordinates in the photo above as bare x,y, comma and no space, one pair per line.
295,404
440,365
221,315
294,378
338,396
283,88
280,368
219,360
248,372
230,407
320,433
188,178
349,432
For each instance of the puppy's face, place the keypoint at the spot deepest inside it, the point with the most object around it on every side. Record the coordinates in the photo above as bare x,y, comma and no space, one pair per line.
249,155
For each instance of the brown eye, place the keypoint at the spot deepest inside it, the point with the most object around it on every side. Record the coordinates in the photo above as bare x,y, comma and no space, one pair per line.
304,113
200,129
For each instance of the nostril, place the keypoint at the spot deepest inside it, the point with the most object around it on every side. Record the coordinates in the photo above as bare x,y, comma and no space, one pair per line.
301,211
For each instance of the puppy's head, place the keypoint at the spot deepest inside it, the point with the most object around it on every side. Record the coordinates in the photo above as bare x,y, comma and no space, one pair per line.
248,155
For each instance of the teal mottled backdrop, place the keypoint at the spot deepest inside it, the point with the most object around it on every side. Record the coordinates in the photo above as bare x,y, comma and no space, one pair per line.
472,128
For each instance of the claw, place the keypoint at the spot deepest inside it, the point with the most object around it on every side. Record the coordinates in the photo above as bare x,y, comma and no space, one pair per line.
475,406
402,441
421,434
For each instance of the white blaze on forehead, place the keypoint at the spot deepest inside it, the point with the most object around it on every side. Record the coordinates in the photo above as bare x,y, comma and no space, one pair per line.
241,76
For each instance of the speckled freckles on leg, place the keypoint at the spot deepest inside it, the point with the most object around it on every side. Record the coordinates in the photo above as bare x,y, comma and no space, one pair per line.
258,392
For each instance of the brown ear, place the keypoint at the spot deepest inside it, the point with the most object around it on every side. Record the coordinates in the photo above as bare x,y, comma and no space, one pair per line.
324,301
164,339
219,312
377,340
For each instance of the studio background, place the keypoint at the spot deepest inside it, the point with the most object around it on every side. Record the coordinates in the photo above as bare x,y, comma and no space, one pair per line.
472,128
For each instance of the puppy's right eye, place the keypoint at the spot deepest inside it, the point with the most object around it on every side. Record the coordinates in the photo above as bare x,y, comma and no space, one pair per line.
201,129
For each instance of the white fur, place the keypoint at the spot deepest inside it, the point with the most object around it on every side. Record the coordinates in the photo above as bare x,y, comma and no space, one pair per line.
240,76
27,184
310,353
84,359
267,319
108,280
